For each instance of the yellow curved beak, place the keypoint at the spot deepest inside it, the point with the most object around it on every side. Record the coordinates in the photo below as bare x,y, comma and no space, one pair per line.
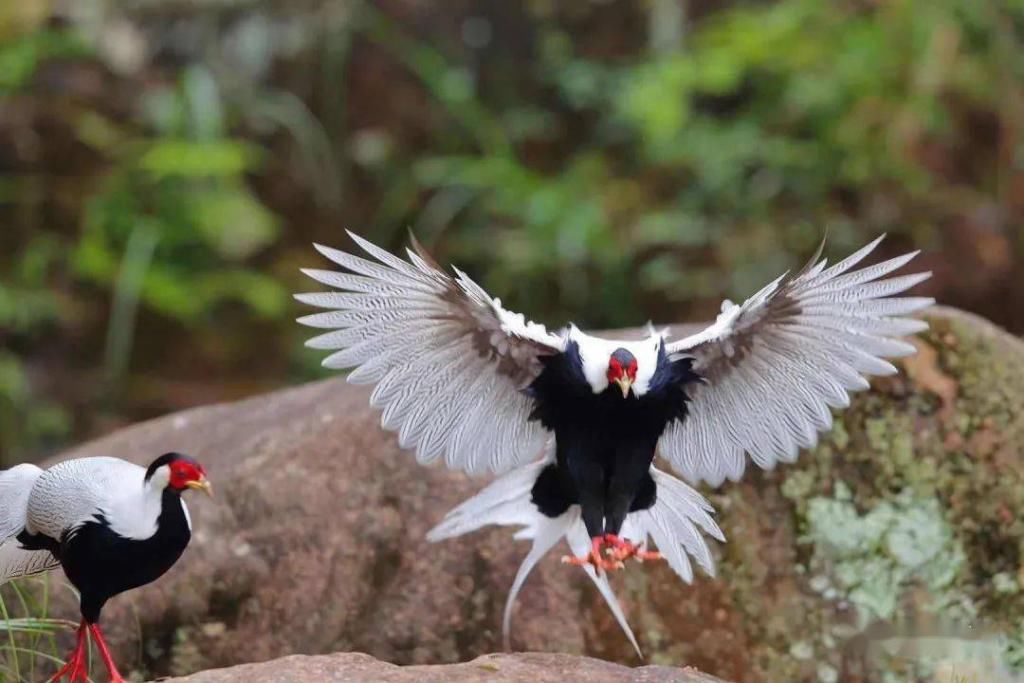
625,383
203,485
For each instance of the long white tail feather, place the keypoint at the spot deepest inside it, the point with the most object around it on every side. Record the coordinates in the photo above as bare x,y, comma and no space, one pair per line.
501,502
674,523
579,542
16,562
15,487
546,533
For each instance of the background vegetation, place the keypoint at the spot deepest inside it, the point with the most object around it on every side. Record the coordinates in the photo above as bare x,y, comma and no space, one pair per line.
164,166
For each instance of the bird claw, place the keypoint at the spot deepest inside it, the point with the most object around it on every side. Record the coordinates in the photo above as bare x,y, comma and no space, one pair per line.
595,561
609,552
623,550
75,668
596,557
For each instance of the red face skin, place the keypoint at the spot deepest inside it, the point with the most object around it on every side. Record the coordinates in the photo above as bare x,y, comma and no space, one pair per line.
616,371
183,472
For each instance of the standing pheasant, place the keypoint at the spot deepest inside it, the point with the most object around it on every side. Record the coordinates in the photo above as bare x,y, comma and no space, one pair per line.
111,525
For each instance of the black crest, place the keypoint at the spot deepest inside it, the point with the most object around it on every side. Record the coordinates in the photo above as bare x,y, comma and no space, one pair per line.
167,459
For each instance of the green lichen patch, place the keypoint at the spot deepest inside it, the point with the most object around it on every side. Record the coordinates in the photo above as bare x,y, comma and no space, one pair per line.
874,556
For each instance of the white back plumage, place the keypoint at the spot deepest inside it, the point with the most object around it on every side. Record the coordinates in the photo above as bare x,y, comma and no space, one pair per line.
74,492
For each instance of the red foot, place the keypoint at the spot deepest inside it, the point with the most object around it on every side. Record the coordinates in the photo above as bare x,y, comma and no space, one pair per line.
101,643
75,667
596,557
623,550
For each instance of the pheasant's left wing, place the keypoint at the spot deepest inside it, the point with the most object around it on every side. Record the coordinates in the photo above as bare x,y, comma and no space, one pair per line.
775,365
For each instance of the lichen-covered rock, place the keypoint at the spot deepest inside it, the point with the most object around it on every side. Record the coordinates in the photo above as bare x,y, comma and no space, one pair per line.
360,668
905,522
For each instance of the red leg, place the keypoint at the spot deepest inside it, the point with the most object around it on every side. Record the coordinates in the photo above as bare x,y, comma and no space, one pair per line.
101,643
75,667
595,557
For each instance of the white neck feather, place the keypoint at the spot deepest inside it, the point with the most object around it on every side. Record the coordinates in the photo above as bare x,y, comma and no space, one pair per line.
134,511
595,353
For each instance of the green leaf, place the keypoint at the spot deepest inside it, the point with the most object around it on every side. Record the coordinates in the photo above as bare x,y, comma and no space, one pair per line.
224,158
234,223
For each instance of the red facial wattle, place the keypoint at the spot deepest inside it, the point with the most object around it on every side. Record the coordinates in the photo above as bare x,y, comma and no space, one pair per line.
614,369
186,474
617,371
622,375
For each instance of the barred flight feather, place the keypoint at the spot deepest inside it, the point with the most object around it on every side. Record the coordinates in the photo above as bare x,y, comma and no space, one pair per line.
775,365
403,325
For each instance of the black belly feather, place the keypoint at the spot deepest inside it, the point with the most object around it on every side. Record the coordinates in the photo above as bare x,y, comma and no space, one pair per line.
101,564
553,495
605,443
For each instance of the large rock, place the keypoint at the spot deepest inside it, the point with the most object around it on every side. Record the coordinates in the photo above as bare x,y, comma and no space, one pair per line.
360,668
910,506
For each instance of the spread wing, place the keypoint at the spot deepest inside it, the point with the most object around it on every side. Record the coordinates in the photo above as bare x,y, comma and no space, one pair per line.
774,366
447,360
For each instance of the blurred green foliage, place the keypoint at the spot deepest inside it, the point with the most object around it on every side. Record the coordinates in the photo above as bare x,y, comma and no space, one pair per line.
173,222
29,646
603,162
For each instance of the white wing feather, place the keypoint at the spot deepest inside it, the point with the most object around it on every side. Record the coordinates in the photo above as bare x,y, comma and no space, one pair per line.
774,366
447,360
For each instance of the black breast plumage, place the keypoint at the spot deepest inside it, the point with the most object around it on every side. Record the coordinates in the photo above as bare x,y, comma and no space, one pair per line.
605,443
